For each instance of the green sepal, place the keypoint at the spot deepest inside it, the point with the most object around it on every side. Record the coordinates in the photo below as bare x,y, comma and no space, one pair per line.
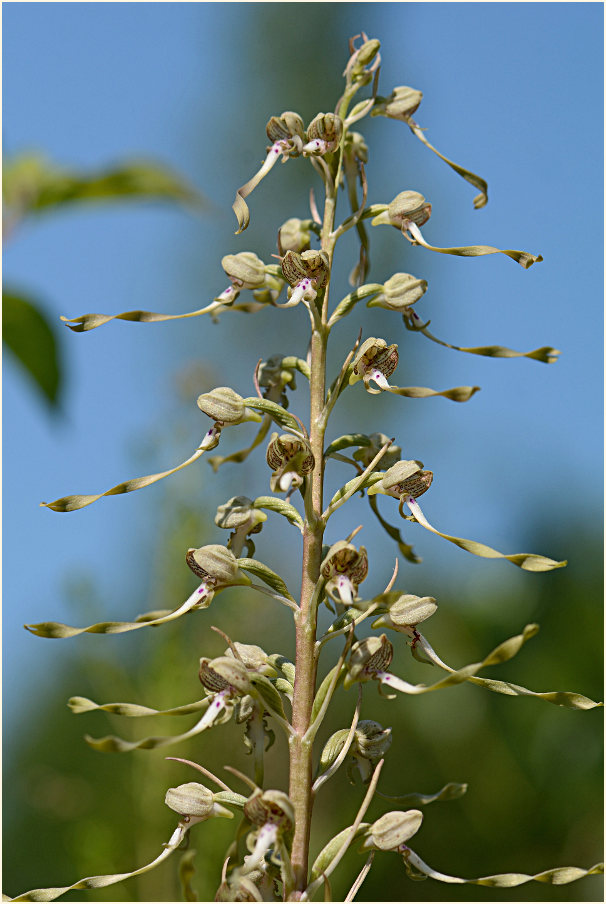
264,573
268,693
346,441
349,302
278,414
230,797
297,363
275,504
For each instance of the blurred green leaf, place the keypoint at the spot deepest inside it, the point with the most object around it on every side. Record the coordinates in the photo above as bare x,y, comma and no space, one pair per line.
30,337
32,184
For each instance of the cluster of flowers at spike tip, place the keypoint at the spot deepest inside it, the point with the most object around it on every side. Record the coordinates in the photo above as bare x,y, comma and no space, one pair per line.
290,458
218,568
306,273
225,407
406,481
343,568
240,516
194,803
376,361
323,135
370,743
247,271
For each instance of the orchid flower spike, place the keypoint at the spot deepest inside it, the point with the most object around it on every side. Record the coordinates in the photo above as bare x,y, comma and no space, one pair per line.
343,568
376,361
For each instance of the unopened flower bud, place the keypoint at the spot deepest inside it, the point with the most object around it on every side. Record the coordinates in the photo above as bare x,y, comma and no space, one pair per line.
193,799
365,454
290,458
343,568
367,657
294,235
376,361
245,270
399,292
216,565
392,830
401,103
366,53
226,406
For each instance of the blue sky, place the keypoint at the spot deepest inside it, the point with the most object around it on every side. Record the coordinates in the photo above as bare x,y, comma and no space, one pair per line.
511,90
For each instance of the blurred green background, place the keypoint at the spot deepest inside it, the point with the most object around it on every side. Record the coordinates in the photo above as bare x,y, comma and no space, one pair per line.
519,467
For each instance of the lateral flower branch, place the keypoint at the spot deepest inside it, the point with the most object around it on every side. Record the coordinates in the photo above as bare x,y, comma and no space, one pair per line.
264,692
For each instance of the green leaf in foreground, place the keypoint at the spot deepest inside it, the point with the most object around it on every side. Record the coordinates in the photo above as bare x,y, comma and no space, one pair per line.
28,334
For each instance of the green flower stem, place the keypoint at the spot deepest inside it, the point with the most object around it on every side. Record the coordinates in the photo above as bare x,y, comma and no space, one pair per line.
300,746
